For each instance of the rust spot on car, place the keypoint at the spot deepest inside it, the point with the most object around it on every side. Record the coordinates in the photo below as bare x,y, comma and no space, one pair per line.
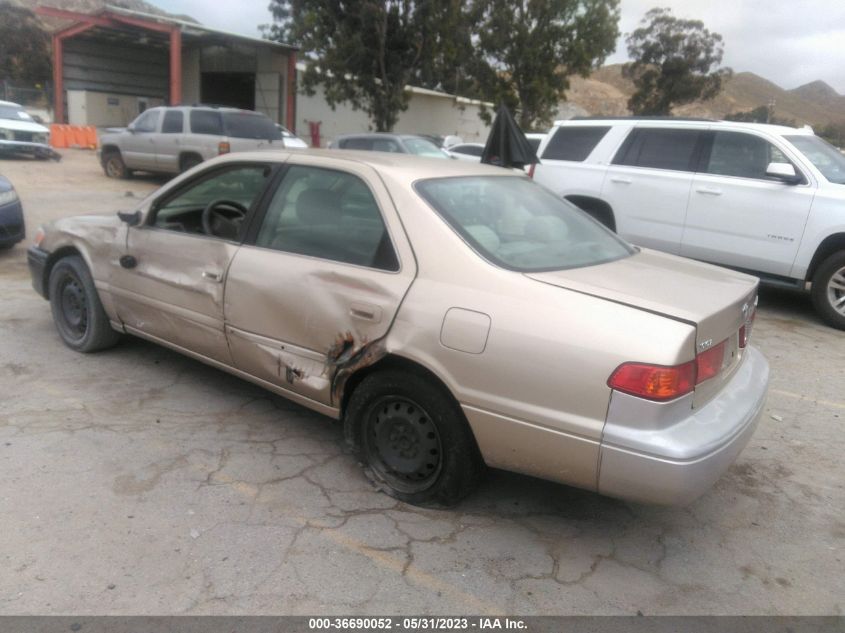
345,358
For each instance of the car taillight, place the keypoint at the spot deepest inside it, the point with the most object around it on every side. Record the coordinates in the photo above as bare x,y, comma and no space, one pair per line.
654,382
223,147
709,363
745,330
659,382
531,170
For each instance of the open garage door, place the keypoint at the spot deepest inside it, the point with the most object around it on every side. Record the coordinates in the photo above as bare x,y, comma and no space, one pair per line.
236,90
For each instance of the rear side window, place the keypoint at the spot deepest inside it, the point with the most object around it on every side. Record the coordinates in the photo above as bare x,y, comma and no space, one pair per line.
327,214
659,149
471,150
206,122
574,143
173,121
357,143
248,125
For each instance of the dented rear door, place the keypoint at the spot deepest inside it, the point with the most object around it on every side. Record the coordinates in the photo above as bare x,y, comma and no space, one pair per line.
313,292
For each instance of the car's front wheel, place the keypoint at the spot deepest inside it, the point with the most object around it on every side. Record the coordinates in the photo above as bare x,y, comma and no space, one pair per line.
828,290
413,437
77,312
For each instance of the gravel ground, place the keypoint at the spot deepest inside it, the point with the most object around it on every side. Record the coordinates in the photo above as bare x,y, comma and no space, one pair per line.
137,481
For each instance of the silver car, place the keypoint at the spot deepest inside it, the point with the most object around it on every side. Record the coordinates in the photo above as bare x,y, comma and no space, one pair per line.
452,315
171,140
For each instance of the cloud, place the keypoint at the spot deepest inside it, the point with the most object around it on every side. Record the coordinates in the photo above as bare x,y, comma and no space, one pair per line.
236,16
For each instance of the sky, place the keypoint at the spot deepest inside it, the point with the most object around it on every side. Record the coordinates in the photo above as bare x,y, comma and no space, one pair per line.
787,42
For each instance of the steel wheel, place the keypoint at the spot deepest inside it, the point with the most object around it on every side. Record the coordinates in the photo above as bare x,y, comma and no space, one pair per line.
836,291
402,444
74,306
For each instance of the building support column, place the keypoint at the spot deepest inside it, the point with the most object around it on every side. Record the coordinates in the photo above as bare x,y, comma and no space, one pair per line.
290,108
58,81
176,66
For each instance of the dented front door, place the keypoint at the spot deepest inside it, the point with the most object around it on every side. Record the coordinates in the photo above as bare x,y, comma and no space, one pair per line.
173,289
311,295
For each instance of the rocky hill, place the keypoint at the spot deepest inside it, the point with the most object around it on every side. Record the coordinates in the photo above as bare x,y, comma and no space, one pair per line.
606,92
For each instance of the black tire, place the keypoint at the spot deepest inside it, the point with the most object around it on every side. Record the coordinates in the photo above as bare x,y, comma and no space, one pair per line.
189,161
77,312
828,290
114,167
413,438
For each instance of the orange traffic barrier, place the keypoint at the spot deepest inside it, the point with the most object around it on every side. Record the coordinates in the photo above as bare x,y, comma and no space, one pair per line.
58,137
91,137
80,136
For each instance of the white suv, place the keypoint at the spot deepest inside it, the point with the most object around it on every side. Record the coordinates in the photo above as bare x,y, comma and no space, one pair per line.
764,199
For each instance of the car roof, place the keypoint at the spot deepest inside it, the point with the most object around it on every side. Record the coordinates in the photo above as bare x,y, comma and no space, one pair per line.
11,103
405,168
685,123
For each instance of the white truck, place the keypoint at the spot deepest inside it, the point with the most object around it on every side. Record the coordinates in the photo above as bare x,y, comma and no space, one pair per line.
764,199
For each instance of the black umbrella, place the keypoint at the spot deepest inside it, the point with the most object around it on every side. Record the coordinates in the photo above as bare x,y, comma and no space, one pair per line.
506,145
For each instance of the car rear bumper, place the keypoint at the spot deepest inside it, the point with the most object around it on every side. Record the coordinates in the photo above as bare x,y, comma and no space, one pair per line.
37,260
651,454
12,228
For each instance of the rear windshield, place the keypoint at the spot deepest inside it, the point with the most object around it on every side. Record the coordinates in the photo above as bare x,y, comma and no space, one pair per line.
250,125
519,225
823,155
423,147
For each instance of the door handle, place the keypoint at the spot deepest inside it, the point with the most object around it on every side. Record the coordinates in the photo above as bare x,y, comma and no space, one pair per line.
365,312
710,191
215,277
621,180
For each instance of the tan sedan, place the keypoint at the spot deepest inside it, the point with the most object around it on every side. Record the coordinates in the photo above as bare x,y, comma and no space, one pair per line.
451,314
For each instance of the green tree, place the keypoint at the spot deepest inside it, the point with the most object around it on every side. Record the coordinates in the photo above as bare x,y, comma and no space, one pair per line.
365,52
528,49
24,46
675,62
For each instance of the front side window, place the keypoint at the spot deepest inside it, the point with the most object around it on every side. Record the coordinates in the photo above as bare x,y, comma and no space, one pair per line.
824,156
173,121
327,214
147,122
519,225
741,155
659,149
215,204
206,122
574,143
386,145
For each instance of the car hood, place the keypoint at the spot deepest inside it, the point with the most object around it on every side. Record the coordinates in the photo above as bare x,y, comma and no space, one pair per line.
23,126
715,300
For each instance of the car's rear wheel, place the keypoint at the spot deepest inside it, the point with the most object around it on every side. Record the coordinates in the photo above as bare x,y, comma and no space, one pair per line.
413,437
114,166
79,316
189,161
828,290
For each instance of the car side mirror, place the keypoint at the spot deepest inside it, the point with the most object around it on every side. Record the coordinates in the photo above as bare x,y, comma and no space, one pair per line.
784,172
131,128
132,219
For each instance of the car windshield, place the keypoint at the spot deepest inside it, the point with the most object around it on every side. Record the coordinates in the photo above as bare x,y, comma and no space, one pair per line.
423,147
517,224
826,158
13,112
248,125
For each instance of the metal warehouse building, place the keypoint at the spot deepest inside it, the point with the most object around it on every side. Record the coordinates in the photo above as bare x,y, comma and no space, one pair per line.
110,66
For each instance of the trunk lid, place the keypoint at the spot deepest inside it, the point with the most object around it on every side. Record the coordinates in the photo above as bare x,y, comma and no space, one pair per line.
715,300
